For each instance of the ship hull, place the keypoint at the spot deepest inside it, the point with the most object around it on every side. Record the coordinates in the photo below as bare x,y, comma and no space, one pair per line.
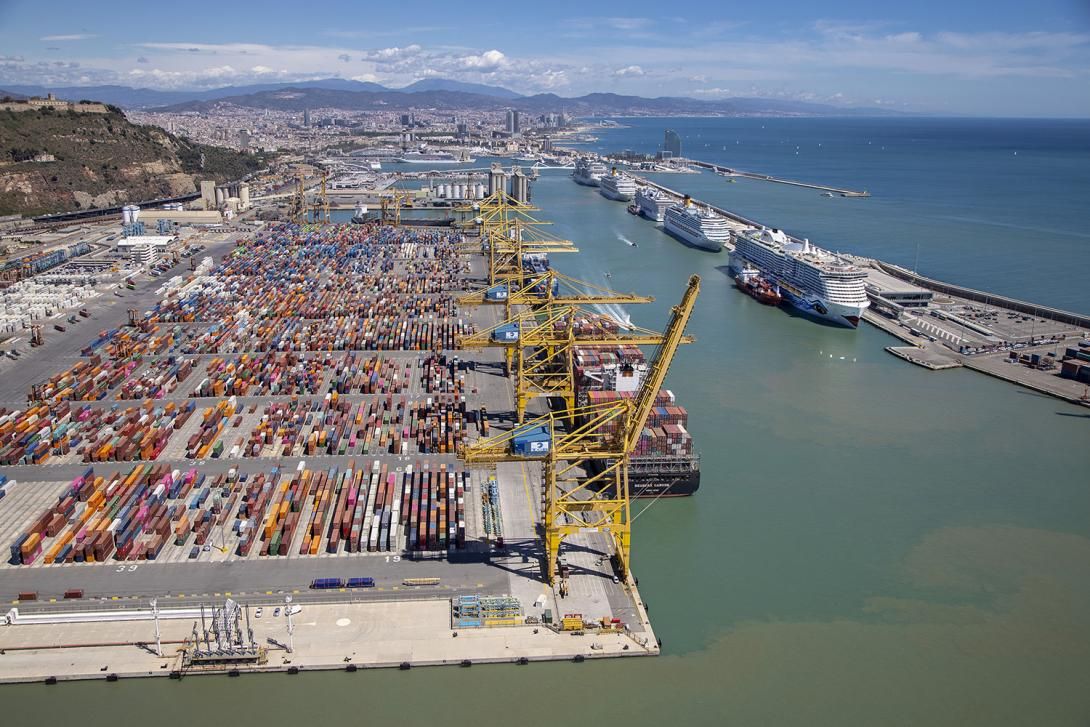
657,483
653,215
701,242
613,194
436,161
818,308
809,304
585,181
759,293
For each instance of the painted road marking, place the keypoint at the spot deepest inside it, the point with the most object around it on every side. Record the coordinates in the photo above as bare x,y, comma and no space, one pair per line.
526,487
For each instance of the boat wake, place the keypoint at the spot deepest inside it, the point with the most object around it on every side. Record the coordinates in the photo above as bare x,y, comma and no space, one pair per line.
624,239
617,313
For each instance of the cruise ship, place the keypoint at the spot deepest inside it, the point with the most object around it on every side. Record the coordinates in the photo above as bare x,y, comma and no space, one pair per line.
588,172
432,157
617,186
817,282
651,203
696,226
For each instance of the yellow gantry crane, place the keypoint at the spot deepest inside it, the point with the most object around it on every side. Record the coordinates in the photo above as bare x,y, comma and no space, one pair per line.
552,322
392,205
507,232
319,210
586,466
297,208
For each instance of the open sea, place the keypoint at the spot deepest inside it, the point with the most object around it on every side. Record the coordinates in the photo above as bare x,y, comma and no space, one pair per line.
872,543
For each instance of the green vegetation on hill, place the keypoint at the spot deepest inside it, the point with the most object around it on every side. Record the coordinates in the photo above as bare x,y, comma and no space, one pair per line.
100,160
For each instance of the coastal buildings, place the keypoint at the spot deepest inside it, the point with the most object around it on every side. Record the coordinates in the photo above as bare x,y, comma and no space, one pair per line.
671,144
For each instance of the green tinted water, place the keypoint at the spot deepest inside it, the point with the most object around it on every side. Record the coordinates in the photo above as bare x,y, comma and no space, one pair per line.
873,544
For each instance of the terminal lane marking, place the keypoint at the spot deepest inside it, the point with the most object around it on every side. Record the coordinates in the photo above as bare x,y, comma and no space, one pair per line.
526,488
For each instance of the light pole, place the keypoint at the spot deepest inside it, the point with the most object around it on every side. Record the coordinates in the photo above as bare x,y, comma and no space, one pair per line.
291,627
155,614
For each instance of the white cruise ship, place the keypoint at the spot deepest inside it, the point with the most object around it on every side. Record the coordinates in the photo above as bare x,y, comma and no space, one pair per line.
815,281
652,203
588,172
617,186
696,226
432,157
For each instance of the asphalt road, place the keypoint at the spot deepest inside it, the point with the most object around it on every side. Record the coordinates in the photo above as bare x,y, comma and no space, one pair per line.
264,581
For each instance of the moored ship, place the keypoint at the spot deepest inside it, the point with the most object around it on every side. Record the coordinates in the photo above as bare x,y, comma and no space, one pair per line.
750,281
696,226
664,462
432,157
617,186
652,203
588,172
816,282
360,215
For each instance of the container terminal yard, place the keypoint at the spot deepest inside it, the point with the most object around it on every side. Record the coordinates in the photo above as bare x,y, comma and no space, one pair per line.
305,451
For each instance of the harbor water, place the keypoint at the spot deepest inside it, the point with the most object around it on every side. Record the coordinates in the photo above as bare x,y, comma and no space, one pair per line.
872,543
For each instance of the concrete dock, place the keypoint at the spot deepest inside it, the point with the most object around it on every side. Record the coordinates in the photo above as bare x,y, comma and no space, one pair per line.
330,636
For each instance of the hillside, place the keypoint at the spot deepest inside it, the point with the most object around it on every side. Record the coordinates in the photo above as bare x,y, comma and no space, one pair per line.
100,160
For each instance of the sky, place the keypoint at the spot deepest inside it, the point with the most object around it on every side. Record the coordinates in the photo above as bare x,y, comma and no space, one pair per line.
980,57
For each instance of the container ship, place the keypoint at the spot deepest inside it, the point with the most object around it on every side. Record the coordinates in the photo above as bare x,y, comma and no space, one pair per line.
587,172
818,283
652,204
617,186
664,463
695,226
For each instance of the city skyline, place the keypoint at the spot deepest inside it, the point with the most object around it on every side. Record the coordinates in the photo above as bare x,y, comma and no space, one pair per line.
975,58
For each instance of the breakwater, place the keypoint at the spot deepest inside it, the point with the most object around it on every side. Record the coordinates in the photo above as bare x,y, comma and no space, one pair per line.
718,168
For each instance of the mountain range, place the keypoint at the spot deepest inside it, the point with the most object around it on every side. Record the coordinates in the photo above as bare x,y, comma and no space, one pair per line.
432,93
135,98
296,99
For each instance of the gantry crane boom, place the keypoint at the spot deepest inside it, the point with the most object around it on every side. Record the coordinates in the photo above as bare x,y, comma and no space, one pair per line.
550,287
551,335
673,336
580,495
554,327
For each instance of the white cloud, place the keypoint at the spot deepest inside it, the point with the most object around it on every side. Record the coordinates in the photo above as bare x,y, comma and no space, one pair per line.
863,59
391,54
68,37
490,60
